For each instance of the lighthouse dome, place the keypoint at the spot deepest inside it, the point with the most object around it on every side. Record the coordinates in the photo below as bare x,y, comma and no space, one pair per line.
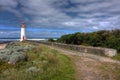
23,25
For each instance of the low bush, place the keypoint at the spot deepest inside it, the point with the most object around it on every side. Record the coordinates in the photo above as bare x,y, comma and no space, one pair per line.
42,63
14,52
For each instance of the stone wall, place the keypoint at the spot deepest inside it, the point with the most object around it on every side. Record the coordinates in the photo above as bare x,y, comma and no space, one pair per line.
93,50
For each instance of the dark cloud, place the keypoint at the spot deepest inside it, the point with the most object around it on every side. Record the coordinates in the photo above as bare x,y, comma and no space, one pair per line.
83,15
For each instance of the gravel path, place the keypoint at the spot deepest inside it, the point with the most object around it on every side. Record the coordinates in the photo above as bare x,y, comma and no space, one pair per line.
92,56
92,67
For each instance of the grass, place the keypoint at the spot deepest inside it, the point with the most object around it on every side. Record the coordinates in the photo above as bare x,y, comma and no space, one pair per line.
117,57
110,70
42,63
117,67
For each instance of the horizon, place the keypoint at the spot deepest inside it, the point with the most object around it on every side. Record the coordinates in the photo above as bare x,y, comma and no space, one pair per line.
46,18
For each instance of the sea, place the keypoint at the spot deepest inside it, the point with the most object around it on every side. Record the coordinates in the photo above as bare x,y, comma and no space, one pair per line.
5,40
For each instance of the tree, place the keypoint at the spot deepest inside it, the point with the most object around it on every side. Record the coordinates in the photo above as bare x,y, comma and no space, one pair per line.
51,40
102,38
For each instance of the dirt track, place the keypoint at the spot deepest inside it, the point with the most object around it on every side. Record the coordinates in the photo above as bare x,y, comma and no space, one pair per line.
93,67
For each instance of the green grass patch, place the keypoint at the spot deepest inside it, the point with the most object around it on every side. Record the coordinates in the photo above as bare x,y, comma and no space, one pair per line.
42,63
117,57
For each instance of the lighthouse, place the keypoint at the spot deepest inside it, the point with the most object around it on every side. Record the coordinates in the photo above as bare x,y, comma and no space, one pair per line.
23,31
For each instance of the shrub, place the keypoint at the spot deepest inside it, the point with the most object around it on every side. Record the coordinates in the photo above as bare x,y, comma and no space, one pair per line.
16,58
42,64
51,40
14,52
32,70
4,57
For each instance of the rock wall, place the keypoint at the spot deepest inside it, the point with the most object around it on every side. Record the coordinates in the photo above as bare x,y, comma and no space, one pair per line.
93,50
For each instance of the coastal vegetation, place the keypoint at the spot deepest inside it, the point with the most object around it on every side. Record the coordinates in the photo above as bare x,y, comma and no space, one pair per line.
103,38
51,40
39,63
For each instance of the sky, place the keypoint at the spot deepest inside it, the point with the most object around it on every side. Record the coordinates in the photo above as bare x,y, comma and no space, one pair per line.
53,18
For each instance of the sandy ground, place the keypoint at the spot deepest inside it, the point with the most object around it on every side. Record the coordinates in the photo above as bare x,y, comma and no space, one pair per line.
2,46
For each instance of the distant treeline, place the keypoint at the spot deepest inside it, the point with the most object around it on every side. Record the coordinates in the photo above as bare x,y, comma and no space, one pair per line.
109,39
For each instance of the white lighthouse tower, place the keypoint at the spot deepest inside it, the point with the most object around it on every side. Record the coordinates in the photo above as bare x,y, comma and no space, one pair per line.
23,32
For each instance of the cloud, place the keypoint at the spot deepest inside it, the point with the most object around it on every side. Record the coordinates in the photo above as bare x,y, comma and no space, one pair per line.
9,3
9,34
47,34
82,15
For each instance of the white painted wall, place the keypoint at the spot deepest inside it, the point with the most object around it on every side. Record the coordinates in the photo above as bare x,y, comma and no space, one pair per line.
23,33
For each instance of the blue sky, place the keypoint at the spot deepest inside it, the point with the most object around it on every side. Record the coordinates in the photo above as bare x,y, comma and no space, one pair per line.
53,18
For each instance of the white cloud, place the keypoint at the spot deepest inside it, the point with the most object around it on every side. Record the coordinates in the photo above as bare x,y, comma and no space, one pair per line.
104,14
94,27
9,34
9,3
71,24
